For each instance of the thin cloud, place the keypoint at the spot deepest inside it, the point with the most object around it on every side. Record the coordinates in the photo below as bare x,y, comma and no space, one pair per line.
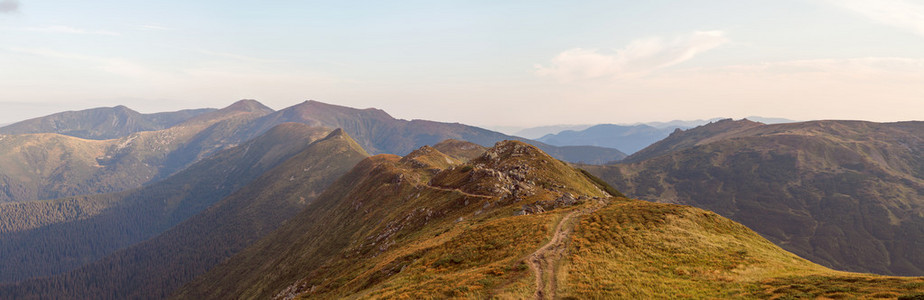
70,30
639,58
238,57
112,65
9,6
155,27
902,14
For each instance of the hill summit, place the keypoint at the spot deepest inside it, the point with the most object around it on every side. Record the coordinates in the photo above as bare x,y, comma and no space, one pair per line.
512,223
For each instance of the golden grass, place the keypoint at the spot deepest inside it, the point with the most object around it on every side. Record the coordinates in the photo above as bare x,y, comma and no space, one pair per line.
638,249
468,260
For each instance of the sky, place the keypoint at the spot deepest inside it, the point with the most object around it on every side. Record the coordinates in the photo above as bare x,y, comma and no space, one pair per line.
485,63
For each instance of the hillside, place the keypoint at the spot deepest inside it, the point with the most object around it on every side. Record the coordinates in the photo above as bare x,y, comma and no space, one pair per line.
513,223
101,123
378,132
154,268
87,228
845,194
625,138
50,166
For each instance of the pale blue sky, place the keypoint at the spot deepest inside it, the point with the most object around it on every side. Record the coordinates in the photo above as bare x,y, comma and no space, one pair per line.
519,63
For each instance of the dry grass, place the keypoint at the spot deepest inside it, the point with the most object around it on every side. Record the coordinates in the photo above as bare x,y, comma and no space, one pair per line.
639,249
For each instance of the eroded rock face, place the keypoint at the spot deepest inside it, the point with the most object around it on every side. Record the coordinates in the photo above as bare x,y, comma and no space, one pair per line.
542,206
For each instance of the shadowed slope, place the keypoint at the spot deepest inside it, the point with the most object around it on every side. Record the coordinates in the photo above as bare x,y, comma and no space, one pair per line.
120,219
152,269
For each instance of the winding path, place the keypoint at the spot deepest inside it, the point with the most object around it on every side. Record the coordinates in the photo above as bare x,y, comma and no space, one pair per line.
544,261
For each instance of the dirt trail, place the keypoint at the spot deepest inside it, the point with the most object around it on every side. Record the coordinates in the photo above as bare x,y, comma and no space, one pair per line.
544,261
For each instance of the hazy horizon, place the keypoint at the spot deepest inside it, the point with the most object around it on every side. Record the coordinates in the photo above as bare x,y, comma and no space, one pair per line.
511,64
504,129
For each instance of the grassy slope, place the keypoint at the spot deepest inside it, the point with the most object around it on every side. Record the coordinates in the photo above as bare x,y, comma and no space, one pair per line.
395,229
844,194
133,216
634,249
152,269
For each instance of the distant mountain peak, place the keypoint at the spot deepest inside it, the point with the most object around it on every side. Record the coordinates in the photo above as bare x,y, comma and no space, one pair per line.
248,105
123,108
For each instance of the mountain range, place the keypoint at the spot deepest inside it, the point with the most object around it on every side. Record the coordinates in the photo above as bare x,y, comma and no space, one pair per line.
56,161
42,166
625,138
249,202
101,123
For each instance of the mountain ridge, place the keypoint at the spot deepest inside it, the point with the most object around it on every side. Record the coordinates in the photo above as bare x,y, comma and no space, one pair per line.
378,132
403,228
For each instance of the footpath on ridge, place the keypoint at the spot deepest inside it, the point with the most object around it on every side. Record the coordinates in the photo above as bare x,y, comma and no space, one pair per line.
544,261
